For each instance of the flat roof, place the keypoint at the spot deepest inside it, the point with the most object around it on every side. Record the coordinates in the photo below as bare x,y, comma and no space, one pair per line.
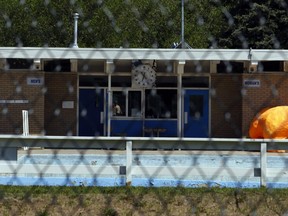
144,54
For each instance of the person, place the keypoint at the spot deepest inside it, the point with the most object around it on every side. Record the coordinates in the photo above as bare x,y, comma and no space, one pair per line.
116,109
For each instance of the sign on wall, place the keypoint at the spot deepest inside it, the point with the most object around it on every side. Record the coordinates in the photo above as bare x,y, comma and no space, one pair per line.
13,101
67,104
251,83
35,81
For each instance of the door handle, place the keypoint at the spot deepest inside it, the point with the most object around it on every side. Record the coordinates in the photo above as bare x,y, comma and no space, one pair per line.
185,117
101,117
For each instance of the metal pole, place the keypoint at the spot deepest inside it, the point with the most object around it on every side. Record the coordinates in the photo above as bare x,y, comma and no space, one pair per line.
179,104
76,16
109,105
182,26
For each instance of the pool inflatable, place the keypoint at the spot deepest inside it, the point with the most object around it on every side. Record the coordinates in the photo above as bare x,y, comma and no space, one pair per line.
270,123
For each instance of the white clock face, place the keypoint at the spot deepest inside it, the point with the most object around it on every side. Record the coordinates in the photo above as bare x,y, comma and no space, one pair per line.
144,76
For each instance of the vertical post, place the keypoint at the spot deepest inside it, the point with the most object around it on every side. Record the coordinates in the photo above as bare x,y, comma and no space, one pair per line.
109,106
128,162
25,125
180,71
76,16
179,105
263,164
182,26
109,69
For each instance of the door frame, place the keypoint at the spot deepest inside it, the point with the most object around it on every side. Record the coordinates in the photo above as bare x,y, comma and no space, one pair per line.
208,113
104,114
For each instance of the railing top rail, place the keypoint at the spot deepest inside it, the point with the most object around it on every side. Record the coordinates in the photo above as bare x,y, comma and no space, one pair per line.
77,142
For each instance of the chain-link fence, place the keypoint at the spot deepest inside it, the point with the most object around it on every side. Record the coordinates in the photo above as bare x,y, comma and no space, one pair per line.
178,112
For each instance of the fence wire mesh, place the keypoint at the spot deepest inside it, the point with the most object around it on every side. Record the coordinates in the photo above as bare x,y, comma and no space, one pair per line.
146,94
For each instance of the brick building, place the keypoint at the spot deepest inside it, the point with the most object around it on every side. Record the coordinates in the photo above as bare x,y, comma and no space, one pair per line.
189,92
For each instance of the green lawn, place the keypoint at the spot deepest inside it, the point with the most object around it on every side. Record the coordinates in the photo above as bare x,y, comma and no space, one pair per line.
141,201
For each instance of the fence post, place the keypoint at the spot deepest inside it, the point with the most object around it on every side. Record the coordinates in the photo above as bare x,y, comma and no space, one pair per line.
263,164
128,162
25,125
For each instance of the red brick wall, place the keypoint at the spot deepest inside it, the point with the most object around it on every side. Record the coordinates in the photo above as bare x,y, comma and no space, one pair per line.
234,106
272,92
14,86
60,87
226,105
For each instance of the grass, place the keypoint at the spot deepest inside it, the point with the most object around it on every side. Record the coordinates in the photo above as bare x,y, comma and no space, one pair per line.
116,201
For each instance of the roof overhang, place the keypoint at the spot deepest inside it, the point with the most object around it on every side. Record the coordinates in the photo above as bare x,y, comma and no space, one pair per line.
144,54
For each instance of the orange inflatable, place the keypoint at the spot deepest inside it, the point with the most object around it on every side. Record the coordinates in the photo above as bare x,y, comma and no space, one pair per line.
270,123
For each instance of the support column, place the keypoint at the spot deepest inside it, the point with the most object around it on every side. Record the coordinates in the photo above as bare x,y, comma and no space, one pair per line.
180,71
109,70
263,164
128,163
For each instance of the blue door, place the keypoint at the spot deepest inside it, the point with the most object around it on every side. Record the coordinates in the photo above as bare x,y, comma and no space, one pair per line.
196,113
91,108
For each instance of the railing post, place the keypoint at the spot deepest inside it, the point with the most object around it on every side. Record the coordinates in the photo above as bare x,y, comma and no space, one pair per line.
128,162
263,164
25,125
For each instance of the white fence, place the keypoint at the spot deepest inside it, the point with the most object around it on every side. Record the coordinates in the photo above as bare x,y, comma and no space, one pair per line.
10,144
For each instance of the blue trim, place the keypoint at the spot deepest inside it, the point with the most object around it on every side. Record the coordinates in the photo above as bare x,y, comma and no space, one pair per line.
137,182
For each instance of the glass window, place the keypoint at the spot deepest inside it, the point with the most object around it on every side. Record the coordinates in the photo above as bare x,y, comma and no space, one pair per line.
59,65
119,103
19,63
127,103
161,103
196,106
134,103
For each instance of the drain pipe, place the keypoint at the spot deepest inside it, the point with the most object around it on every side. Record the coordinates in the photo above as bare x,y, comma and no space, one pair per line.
76,16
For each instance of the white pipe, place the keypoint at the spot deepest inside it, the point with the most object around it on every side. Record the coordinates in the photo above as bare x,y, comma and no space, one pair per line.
76,16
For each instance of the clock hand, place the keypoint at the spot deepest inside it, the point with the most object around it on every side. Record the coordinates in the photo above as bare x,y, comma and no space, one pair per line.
143,76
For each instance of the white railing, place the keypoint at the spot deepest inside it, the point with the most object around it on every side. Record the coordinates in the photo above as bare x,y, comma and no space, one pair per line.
25,123
9,145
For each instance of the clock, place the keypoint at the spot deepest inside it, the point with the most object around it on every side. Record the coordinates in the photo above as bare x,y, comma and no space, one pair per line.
143,76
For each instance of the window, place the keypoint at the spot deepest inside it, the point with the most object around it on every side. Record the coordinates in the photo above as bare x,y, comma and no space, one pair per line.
59,65
128,105
119,103
134,103
18,63
230,67
196,106
270,66
161,103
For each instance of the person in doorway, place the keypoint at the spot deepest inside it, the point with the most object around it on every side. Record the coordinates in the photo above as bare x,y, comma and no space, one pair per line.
116,109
